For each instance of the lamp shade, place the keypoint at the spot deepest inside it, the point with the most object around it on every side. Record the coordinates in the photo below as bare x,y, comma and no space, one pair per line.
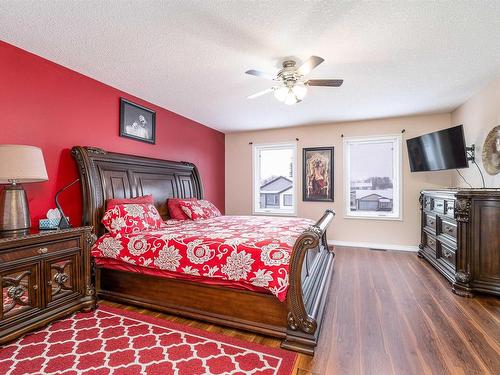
21,163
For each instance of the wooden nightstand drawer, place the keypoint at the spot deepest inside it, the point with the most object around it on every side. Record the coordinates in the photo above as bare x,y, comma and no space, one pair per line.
42,248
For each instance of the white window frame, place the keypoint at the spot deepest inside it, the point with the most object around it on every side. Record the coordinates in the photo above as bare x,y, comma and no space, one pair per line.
397,182
256,148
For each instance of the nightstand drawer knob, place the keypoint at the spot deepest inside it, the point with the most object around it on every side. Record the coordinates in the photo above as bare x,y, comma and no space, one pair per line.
42,250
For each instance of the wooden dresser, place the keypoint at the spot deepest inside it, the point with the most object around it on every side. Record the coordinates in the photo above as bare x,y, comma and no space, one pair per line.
460,237
44,276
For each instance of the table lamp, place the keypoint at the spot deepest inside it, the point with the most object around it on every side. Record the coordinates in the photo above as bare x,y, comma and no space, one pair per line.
18,164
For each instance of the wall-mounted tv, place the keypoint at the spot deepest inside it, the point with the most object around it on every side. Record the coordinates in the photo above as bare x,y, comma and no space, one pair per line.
444,149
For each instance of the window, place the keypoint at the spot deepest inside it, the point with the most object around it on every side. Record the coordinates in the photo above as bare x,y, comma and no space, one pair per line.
272,200
274,178
372,177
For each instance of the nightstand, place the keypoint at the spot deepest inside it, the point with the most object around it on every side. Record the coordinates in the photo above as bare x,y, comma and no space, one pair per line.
44,276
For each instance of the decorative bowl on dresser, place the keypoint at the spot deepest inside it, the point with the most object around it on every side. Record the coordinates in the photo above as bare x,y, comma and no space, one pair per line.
460,237
44,275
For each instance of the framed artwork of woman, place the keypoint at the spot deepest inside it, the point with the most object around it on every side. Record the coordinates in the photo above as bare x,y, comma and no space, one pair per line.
317,176
137,122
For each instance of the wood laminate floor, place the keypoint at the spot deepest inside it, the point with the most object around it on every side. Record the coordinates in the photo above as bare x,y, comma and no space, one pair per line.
392,313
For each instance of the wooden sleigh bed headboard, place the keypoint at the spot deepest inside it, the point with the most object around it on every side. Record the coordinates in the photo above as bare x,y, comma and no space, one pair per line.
105,175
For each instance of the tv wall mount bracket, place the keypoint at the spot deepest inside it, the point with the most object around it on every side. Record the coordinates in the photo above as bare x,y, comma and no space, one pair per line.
471,153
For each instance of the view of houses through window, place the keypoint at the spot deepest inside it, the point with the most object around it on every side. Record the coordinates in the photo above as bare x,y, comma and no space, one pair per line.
274,178
373,167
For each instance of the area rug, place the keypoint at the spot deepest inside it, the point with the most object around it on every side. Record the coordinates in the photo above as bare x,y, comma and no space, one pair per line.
119,342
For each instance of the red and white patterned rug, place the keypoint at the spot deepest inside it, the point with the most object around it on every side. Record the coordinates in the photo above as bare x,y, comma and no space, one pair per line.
119,342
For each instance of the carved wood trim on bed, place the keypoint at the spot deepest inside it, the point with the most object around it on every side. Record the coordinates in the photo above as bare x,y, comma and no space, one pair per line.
105,175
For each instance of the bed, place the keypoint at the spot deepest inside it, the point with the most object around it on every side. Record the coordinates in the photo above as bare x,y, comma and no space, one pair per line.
296,318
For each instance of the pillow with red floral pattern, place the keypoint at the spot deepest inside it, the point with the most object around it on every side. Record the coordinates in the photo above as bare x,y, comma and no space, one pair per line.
132,218
199,209
175,211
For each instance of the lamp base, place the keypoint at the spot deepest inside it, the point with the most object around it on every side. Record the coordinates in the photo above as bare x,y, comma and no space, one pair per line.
14,210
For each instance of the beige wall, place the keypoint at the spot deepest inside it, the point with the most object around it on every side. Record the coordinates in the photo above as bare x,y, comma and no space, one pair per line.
478,115
384,232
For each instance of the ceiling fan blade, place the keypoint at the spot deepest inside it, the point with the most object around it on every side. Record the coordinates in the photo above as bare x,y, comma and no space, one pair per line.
260,93
325,82
311,63
258,73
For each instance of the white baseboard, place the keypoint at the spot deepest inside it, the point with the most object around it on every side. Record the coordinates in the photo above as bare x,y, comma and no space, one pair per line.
374,245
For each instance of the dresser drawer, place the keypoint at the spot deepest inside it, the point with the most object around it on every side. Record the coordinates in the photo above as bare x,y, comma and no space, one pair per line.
430,244
438,205
38,250
430,221
449,230
427,203
447,255
449,209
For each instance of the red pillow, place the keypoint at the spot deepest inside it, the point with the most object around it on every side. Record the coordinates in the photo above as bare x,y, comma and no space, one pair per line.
200,209
131,218
174,209
145,199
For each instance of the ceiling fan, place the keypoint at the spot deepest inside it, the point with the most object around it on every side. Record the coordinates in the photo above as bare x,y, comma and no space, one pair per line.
291,86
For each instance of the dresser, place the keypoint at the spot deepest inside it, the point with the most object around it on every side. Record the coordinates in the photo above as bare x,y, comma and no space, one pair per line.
460,237
44,276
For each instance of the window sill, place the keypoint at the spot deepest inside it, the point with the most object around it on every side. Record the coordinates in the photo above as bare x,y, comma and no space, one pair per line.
383,218
274,213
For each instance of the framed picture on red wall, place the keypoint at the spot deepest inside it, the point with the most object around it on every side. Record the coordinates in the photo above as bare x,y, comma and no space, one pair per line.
137,122
317,176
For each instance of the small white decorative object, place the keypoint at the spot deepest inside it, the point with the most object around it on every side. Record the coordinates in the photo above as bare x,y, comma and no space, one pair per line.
52,220
53,213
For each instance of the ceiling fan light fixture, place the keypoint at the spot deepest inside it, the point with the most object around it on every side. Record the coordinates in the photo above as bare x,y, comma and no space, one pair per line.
300,91
291,98
281,93
290,84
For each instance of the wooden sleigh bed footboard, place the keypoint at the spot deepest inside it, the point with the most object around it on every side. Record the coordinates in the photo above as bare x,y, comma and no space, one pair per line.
297,321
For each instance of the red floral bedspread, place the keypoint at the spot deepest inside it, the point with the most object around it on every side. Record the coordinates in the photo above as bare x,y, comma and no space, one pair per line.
248,249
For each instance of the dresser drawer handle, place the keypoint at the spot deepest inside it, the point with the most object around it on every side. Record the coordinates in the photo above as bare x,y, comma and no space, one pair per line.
447,253
42,250
448,229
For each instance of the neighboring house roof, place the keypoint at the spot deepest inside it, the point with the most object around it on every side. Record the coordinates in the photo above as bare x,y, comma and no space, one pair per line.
276,186
366,194
371,197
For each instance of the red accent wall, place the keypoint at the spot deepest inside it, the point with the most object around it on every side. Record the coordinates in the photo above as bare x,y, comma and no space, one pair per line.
47,105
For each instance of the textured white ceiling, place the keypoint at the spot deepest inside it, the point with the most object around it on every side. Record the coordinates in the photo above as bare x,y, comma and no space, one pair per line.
397,58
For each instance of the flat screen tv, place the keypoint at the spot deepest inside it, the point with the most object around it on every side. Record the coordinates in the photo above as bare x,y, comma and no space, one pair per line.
444,149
